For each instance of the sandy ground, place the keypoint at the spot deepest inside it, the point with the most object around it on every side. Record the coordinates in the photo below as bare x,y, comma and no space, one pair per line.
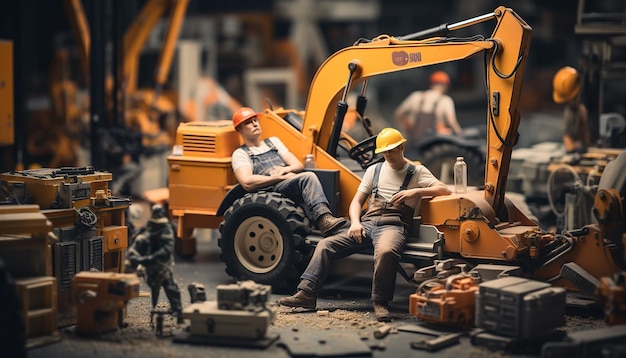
343,308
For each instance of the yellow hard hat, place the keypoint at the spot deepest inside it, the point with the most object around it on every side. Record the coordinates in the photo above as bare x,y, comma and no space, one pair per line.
242,114
387,139
565,84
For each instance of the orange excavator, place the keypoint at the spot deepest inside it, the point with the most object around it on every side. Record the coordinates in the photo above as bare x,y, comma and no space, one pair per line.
267,238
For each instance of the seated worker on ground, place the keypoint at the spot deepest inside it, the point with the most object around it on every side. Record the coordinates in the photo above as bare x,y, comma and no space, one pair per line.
395,188
566,89
425,113
269,165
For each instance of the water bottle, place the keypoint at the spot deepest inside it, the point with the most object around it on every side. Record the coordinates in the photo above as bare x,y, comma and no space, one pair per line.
309,162
460,176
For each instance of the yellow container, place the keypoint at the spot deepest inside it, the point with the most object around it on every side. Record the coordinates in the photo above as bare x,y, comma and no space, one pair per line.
46,185
216,139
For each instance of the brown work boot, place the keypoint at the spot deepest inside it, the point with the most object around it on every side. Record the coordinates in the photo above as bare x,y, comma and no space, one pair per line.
381,311
300,299
328,224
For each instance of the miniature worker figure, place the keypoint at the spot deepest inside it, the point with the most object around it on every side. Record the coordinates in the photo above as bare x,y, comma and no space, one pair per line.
154,250
566,89
425,113
395,188
269,165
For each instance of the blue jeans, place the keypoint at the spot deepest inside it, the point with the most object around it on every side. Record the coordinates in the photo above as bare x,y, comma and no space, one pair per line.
388,242
305,188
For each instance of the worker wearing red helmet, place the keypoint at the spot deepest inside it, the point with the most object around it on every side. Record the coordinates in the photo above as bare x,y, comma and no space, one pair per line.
268,164
566,90
425,113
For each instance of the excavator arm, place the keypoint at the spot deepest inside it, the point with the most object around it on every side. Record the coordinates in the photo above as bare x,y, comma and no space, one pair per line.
506,51
137,34
80,29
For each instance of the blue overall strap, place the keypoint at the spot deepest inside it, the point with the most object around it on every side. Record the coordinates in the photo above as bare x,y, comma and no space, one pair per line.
375,179
270,144
409,174
267,141
407,178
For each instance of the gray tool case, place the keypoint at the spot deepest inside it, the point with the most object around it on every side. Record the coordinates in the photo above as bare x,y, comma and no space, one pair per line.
520,308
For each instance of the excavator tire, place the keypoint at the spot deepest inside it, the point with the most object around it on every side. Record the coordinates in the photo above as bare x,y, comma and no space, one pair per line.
440,158
262,239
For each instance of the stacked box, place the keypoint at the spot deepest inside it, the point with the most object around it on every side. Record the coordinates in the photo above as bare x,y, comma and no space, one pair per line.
518,307
39,305
207,320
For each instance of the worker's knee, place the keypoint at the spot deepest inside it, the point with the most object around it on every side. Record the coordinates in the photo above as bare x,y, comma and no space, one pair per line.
308,177
389,249
322,246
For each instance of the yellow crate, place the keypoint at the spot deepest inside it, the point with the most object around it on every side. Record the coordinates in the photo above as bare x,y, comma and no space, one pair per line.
24,240
196,184
44,184
115,237
39,305
215,139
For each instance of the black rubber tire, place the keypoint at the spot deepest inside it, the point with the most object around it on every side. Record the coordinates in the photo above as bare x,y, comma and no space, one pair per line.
262,239
438,155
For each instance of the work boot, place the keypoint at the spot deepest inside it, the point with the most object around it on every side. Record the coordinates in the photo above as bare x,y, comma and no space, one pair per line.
381,311
300,299
328,224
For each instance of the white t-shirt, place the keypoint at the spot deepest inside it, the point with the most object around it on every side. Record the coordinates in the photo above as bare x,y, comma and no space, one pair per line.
389,181
241,159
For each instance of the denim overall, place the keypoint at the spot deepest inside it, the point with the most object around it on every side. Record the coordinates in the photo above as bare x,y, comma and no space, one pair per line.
386,227
303,188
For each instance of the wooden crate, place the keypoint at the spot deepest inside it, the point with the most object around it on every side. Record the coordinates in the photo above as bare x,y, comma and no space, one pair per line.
39,305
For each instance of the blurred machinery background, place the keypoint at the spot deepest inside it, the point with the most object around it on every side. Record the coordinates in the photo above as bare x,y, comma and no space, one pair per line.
105,83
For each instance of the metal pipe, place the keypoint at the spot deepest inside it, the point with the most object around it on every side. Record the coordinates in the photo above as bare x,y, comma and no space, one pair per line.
472,21
444,29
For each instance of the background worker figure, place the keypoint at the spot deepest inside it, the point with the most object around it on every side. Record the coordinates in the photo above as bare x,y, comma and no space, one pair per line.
154,250
395,188
425,113
566,89
270,165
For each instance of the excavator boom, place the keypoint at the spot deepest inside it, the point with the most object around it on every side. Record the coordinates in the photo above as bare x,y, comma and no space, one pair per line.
507,50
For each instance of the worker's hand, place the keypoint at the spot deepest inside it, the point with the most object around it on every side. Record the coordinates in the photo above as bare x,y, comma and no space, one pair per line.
402,196
279,171
356,231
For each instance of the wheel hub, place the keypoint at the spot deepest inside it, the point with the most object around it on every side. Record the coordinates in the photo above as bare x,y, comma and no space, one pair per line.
258,244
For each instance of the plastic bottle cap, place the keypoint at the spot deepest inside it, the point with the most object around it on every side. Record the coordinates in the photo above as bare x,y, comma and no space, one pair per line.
459,158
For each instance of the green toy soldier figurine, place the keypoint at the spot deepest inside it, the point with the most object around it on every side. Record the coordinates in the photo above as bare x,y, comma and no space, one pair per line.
154,250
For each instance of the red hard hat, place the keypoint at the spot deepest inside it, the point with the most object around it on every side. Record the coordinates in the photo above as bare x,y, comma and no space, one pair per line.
242,114
440,77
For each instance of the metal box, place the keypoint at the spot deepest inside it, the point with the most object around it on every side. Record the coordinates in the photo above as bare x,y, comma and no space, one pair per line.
115,237
518,307
207,320
57,188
